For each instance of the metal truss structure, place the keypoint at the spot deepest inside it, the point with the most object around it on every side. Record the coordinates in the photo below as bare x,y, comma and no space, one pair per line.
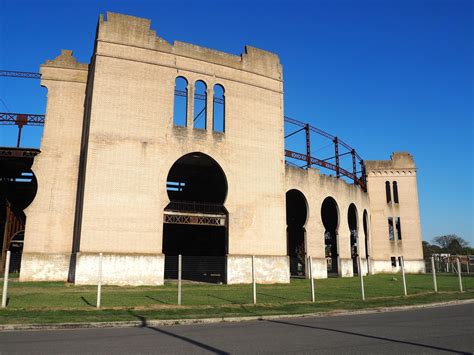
332,163
206,220
20,74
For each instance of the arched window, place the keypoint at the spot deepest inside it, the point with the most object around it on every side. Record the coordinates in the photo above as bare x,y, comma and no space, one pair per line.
395,192
387,191
218,119
180,101
200,104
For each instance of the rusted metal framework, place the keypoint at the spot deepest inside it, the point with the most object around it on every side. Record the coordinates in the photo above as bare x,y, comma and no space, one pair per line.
332,163
20,74
20,120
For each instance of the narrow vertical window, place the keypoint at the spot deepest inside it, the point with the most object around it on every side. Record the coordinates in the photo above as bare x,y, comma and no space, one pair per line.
394,261
387,191
180,101
395,192
200,104
218,101
390,228
399,228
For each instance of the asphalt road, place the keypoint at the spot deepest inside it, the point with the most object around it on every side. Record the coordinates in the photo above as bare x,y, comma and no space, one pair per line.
435,330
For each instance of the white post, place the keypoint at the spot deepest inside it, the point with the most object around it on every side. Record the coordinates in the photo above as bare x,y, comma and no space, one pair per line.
179,277
99,281
433,271
402,259
310,268
254,284
362,290
5,281
467,265
459,274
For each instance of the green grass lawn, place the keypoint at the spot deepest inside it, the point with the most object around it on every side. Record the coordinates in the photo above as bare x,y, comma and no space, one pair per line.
46,302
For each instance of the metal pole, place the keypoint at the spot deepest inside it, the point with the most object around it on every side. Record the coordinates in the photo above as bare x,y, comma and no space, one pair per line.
5,281
99,283
354,166
402,259
433,271
179,278
459,274
310,268
308,147
362,290
254,285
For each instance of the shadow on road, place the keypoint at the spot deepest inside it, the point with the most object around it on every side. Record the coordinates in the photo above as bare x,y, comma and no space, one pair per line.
370,336
180,337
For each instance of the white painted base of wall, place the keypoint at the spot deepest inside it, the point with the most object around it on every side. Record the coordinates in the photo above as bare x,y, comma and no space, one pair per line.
320,268
120,269
346,268
411,267
268,269
44,267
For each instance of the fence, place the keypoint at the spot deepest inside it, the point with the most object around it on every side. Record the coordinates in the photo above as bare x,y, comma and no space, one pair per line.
448,264
198,279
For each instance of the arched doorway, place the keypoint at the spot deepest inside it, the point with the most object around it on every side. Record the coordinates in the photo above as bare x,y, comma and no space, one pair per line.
296,215
353,229
330,218
195,220
365,222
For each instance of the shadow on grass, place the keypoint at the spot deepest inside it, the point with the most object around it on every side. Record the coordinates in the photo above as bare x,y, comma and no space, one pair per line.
199,344
157,300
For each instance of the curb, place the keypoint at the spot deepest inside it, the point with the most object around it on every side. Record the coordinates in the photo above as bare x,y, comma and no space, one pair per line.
171,322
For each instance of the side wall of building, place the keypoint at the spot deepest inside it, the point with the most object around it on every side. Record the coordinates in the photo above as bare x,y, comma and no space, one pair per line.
50,217
316,188
400,169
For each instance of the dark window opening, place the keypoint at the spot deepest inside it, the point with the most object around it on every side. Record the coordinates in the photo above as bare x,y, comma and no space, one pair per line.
352,221
330,218
395,192
200,105
394,261
390,228
180,102
296,214
388,194
399,228
218,111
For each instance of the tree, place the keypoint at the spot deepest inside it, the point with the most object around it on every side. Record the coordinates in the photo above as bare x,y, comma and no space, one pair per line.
451,243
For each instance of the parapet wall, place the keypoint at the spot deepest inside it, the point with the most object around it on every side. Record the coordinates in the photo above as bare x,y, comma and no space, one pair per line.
133,31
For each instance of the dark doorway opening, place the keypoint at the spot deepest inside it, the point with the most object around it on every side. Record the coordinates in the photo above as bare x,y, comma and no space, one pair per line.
352,221
296,215
195,220
330,218
365,222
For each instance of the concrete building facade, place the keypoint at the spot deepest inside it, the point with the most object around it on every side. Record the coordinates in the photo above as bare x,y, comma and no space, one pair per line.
125,172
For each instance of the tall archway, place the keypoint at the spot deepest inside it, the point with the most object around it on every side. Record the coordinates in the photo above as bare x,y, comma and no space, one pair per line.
296,216
365,222
353,229
195,220
330,218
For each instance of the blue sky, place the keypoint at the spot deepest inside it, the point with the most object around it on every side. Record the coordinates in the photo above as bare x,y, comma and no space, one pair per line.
383,75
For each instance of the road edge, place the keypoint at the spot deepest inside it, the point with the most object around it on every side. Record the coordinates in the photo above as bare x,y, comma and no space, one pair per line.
170,322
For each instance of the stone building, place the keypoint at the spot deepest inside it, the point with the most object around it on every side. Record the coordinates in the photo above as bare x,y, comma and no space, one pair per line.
156,149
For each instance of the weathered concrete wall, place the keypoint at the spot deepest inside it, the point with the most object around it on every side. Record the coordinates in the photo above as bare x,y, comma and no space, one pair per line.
268,269
44,267
411,266
50,217
316,187
400,168
120,269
